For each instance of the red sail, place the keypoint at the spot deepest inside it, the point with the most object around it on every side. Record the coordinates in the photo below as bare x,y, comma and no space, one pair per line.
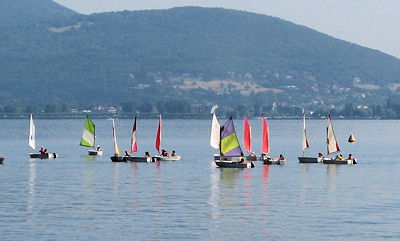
247,135
133,139
158,137
265,136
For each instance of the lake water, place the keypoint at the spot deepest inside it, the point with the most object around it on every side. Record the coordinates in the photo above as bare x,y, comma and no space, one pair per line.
80,197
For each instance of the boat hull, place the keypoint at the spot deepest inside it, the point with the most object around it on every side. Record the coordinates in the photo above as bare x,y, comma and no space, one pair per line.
339,162
43,156
217,157
1,159
274,162
233,164
118,159
307,159
95,153
140,159
168,158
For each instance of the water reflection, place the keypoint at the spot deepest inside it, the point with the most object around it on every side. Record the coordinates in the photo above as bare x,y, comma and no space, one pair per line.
332,171
32,192
214,192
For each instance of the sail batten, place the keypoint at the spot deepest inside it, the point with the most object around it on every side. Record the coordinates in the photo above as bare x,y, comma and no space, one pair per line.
247,135
32,134
331,143
89,133
230,146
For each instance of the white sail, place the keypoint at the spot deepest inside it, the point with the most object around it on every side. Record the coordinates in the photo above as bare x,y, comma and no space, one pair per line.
305,141
215,133
116,149
331,143
32,142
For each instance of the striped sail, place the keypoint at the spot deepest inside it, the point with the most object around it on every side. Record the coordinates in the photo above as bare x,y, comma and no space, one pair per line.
331,143
215,132
116,149
88,135
230,146
32,133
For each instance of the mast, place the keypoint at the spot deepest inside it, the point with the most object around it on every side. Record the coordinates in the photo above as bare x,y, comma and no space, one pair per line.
116,149
247,135
133,138
331,143
305,144
32,134
265,136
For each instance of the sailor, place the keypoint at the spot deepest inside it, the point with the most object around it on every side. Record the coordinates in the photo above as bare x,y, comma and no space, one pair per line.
173,153
42,150
147,154
126,153
99,148
281,157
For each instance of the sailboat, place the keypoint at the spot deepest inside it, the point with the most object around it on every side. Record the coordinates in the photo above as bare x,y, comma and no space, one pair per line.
265,146
134,149
230,148
89,137
32,143
116,157
333,147
157,145
306,145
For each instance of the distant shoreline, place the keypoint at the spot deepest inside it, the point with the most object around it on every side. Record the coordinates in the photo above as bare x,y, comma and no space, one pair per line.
186,116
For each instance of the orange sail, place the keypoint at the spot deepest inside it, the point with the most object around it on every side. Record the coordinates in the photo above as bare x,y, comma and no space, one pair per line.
158,137
247,135
265,136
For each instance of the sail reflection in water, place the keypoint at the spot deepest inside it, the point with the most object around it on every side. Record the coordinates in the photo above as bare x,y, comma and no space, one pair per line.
32,192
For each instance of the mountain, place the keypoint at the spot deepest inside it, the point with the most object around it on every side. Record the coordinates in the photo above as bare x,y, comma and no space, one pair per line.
205,55
23,11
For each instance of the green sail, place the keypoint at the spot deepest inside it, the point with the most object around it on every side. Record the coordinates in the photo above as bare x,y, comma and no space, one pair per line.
88,135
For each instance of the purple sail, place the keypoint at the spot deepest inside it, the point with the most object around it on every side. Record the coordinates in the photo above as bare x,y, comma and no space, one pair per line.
229,143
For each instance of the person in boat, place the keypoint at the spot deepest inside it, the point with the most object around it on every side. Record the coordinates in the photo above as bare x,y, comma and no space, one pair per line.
126,153
320,154
350,157
41,150
173,153
339,157
99,148
241,160
281,157
252,154
147,154
164,152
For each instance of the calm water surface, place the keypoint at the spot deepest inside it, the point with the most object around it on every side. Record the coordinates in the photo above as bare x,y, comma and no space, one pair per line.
80,197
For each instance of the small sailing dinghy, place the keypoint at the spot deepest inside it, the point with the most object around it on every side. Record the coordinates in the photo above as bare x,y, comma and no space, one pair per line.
32,143
116,157
265,147
333,147
306,145
230,148
89,137
134,149
157,145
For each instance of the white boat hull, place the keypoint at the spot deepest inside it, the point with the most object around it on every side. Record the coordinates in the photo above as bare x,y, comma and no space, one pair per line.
140,159
168,158
306,159
234,164
339,162
95,153
43,156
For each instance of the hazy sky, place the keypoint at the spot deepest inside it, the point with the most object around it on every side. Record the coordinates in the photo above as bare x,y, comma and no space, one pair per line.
370,23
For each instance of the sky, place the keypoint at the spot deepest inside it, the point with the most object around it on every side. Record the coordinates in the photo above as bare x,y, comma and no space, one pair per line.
371,23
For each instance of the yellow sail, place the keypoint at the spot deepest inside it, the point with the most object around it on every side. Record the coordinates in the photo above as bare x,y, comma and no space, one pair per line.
352,139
